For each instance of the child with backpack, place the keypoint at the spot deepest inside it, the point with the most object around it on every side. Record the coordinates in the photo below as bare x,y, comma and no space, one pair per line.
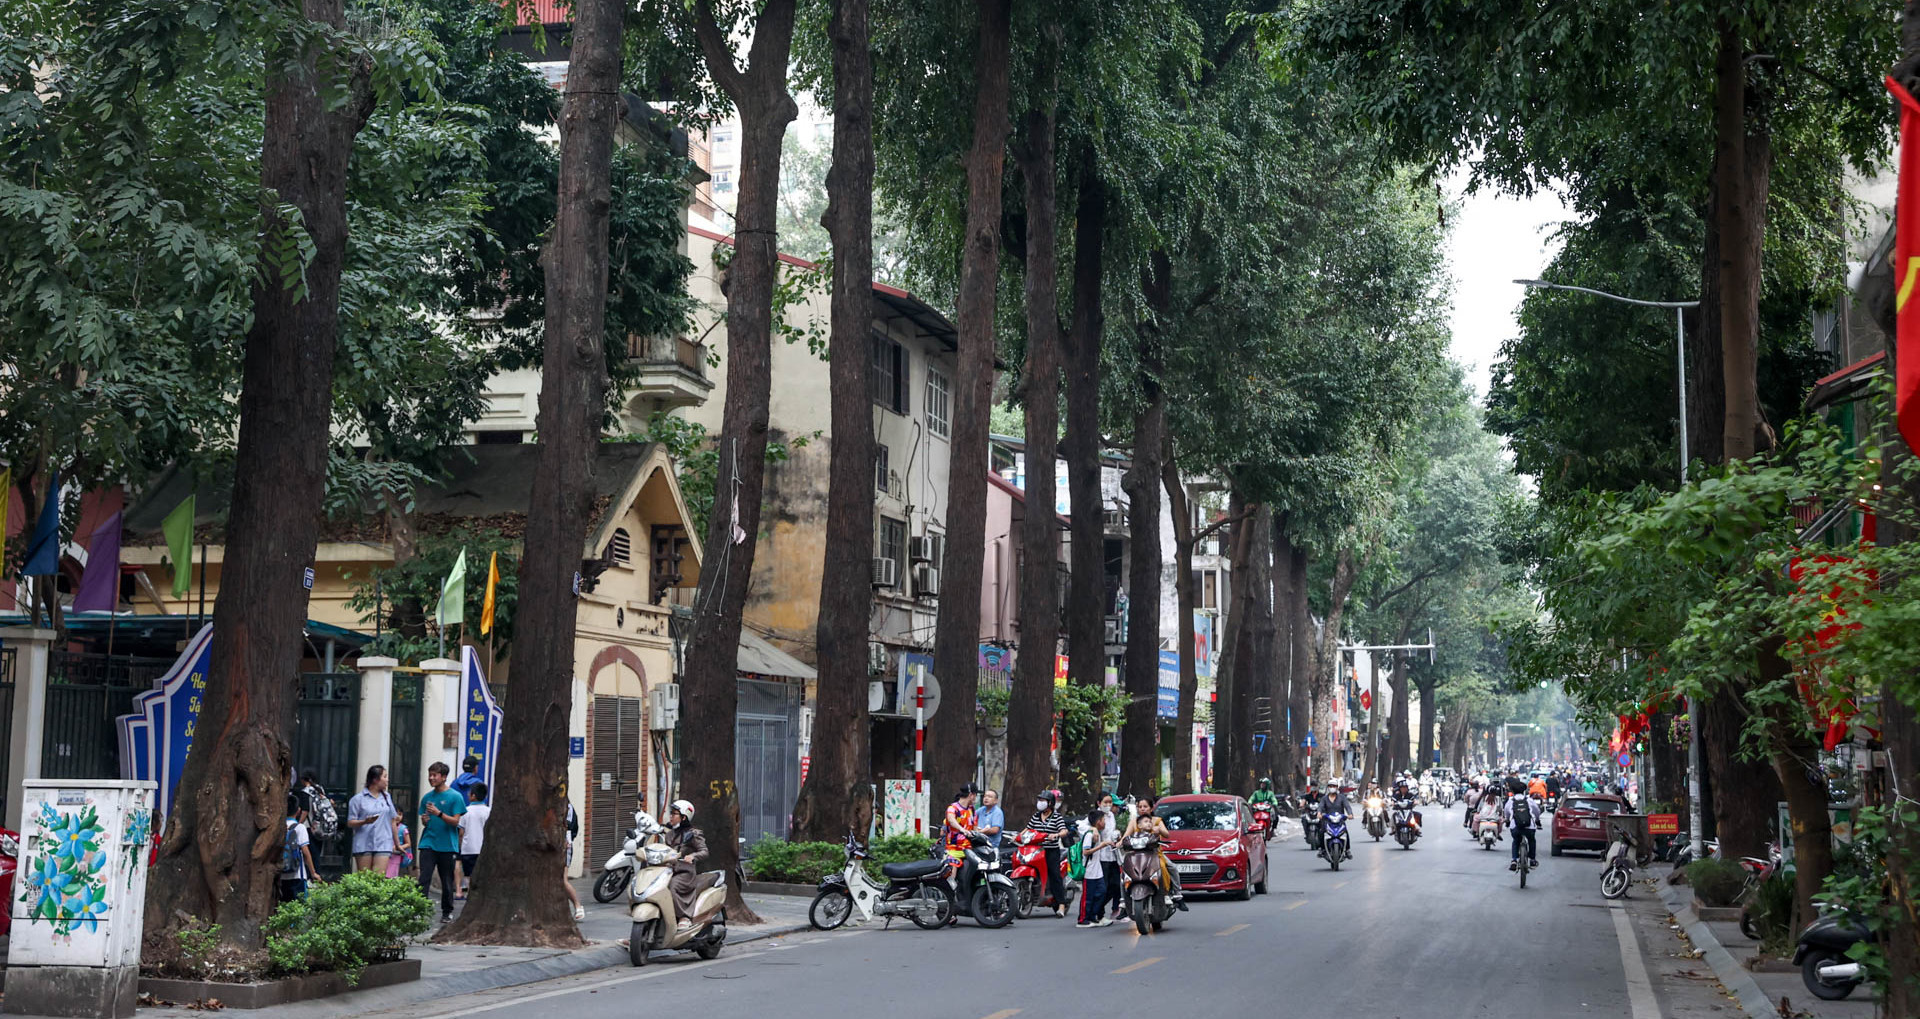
296,854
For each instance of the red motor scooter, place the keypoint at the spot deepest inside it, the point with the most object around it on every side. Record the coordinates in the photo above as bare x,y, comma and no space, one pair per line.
1263,819
1029,873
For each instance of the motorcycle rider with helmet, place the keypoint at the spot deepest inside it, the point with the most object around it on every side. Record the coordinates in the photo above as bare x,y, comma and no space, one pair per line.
1404,798
1145,821
1264,795
691,844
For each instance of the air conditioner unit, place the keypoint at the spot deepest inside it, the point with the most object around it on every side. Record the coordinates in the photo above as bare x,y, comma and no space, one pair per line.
926,581
663,706
886,573
920,550
938,546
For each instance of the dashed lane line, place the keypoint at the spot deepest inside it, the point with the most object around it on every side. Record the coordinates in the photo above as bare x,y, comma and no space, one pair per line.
1143,964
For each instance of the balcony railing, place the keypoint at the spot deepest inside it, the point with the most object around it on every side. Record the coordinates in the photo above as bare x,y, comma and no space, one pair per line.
669,351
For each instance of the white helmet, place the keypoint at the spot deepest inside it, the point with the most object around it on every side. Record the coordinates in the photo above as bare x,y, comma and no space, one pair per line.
683,808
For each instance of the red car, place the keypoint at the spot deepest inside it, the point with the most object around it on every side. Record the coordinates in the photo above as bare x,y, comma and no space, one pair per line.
9,863
1213,844
1580,821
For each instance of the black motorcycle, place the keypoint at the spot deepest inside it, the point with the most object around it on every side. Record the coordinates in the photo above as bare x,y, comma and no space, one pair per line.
1312,826
1822,954
982,889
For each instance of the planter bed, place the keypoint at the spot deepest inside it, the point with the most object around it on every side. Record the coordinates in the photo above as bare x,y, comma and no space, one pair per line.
268,993
1716,914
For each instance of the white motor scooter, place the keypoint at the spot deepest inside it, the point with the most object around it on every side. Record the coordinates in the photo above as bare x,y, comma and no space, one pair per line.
618,870
656,922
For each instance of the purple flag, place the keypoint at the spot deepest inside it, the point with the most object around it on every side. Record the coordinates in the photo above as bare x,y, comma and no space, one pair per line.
100,584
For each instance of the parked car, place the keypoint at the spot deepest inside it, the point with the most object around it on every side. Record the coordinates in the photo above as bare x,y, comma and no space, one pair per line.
1213,845
1580,823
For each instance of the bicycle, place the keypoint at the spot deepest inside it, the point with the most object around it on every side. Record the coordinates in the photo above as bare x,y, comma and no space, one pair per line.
1526,864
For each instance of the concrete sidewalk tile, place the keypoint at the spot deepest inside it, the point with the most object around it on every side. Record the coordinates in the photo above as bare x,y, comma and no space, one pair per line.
1733,976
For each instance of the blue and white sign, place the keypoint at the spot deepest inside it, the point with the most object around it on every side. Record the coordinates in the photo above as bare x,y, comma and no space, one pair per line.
576,747
1169,684
155,738
479,715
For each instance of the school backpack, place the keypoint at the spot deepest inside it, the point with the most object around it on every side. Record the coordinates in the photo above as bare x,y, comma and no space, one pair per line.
1076,861
290,851
1522,812
322,819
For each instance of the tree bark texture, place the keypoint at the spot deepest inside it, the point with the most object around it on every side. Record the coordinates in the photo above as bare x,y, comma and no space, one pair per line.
1669,761
1086,594
1745,791
1425,758
1284,664
1373,730
1234,706
1184,540
1258,700
954,753
838,794
710,694
1326,656
519,905
1300,683
219,862
1139,733
1706,371
1398,730
1031,708
1741,173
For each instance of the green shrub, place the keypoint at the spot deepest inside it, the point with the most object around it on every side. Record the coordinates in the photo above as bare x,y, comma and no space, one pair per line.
1773,912
798,863
805,863
1716,882
362,918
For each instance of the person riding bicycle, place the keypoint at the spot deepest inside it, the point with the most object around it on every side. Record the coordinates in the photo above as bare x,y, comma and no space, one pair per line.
1522,814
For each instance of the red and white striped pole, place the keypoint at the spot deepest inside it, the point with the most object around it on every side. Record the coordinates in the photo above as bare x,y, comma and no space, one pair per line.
919,742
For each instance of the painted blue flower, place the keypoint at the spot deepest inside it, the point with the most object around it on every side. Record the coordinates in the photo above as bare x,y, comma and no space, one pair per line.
48,878
139,826
74,841
49,816
86,906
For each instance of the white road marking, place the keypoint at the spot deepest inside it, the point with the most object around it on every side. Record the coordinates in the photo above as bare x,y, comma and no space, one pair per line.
1639,988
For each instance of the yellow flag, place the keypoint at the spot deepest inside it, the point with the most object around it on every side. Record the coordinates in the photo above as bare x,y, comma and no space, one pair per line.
493,581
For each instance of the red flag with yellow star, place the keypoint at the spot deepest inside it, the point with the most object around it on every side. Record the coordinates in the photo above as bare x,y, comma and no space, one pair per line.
1906,271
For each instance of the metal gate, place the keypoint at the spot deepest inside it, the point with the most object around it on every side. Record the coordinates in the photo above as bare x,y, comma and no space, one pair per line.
326,738
403,739
85,693
766,757
619,749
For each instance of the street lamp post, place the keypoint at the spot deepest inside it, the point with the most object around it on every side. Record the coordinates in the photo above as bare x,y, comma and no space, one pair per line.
1680,360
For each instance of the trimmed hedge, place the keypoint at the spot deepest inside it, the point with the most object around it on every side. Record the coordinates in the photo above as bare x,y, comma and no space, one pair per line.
805,863
1716,882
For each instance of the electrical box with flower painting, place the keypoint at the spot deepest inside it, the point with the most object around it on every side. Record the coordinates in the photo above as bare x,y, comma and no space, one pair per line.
81,887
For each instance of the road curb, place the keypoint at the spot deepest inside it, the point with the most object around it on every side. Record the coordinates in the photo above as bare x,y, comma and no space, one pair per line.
1733,976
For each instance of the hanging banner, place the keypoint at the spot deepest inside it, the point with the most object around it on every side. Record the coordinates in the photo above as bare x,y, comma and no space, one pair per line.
480,716
1169,684
155,738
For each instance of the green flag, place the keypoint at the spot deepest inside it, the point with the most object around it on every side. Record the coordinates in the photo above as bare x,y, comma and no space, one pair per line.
178,528
453,595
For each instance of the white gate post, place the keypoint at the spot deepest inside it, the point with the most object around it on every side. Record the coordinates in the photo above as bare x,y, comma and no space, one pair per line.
439,717
30,663
376,714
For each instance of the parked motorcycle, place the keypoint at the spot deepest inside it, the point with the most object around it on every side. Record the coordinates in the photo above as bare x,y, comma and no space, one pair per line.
1310,824
1617,873
1822,954
1149,899
1374,817
1758,870
656,921
1029,875
981,887
618,870
1403,830
1336,845
916,890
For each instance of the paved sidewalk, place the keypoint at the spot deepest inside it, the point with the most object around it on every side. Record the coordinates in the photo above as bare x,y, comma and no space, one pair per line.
1729,953
447,970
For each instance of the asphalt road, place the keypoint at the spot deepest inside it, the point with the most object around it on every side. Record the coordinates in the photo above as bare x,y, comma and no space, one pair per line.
1440,930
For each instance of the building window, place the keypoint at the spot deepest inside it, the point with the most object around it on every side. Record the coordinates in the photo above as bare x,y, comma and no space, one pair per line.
620,547
1206,589
889,374
722,136
893,540
882,458
938,398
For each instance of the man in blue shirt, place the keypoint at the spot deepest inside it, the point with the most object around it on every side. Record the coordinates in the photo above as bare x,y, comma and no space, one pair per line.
469,774
990,817
440,812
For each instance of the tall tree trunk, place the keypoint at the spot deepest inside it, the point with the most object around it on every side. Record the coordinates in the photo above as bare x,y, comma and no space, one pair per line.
1139,749
1258,704
838,794
1030,711
710,694
1399,758
1742,161
220,861
1285,758
1669,761
1086,595
1373,733
1326,656
955,745
1184,540
1234,706
1743,809
519,905
1706,371
1300,684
